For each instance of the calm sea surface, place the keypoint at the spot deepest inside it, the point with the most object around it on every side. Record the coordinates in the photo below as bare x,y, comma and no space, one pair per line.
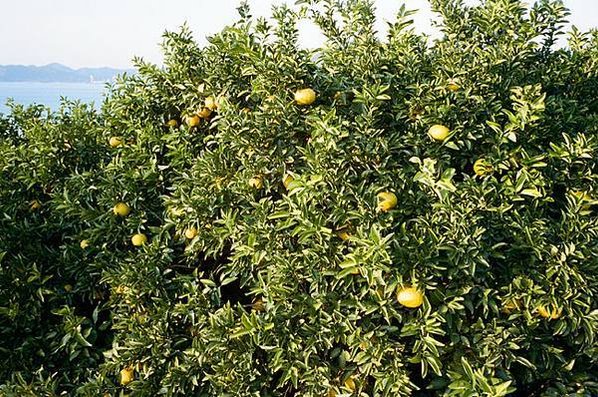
49,94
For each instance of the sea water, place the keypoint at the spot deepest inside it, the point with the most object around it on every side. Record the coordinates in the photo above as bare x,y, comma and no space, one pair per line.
49,94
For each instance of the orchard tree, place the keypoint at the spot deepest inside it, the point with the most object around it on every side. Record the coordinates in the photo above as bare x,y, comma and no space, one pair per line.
375,217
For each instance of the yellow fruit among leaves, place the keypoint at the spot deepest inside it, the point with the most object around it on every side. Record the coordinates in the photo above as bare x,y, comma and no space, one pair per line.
386,201
115,142
439,132
121,209
192,121
585,199
343,234
139,239
204,113
350,383
410,297
35,205
256,182
482,167
211,103
510,305
286,180
172,123
305,96
453,86
191,233
258,305
551,312
127,375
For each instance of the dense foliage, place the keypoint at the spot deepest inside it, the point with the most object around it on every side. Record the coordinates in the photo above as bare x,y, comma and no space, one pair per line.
332,248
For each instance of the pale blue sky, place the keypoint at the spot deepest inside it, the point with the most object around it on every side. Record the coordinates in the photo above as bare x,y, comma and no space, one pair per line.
81,33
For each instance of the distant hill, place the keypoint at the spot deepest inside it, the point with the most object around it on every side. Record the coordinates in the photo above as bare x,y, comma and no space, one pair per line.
56,72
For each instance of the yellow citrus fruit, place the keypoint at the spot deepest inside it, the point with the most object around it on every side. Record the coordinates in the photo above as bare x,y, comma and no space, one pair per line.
453,86
350,383
210,103
585,198
172,123
115,141
127,375
192,121
286,180
305,96
410,297
121,209
438,132
551,312
204,113
218,182
510,305
258,305
84,244
481,167
343,234
35,205
331,393
256,182
386,201
139,239
191,233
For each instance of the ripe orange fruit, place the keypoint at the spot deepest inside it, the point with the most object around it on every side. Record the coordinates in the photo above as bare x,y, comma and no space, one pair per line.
191,233
172,123
127,375
438,132
84,244
204,113
410,297
211,103
256,182
386,201
481,167
121,209
139,239
305,96
192,121
115,142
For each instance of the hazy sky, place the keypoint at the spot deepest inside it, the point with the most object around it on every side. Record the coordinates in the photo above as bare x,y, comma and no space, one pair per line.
109,32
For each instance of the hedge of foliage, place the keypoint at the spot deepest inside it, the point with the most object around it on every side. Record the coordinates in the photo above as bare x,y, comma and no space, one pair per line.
370,218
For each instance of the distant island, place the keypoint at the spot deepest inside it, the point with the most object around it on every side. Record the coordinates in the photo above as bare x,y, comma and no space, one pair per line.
57,73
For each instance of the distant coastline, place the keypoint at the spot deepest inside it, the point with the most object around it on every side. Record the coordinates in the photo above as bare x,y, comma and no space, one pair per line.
58,73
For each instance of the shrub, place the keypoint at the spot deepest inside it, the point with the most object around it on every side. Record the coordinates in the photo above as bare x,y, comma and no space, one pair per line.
427,226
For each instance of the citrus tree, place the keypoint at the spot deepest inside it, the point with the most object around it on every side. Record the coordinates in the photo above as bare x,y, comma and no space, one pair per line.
373,217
